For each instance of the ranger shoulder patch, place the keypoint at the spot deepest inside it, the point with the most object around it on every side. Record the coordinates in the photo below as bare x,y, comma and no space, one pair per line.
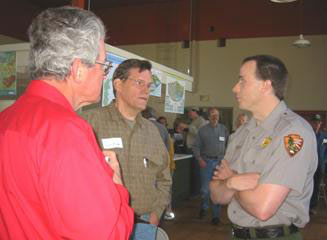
293,144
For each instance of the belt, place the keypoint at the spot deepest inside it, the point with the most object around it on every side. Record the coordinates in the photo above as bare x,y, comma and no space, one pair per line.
275,231
207,156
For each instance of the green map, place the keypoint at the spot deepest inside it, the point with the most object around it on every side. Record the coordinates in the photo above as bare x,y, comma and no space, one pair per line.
176,91
7,73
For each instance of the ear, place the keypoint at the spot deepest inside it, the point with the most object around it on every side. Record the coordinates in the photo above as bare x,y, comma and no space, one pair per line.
117,84
77,70
267,86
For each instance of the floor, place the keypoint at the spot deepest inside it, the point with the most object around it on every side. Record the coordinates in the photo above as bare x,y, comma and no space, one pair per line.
187,226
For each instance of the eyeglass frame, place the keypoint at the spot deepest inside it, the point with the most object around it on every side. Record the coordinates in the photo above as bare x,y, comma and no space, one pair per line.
141,83
106,66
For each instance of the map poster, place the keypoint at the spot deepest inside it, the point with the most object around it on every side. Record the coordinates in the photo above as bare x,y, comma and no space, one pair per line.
175,95
107,90
155,89
8,80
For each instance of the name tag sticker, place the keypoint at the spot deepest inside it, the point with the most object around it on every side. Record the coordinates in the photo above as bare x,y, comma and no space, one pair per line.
222,139
110,143
325,140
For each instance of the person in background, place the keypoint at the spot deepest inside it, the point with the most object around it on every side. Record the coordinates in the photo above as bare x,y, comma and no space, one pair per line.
163,121
209,149
241,119
179,136
136,141
54,180
197,122
321,137
169,214
150,114
266,176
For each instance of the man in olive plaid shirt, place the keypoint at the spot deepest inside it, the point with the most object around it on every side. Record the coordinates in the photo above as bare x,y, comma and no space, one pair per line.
140,150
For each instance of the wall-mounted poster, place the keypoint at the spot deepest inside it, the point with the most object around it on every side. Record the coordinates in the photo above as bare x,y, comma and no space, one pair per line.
175,95
8,74
107,91
155,89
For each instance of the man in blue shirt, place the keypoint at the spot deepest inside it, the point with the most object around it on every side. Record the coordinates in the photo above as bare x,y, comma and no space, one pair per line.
209,150
322,150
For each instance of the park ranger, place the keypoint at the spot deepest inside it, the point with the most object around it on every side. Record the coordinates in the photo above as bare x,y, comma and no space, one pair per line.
266,177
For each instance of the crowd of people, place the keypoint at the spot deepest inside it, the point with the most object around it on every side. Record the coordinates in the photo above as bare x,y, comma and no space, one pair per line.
107,173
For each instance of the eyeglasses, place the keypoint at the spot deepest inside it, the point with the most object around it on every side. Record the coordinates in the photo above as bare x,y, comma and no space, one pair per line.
141,83
106,66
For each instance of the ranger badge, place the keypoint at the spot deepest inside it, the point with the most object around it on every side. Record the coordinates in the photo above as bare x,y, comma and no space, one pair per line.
293,144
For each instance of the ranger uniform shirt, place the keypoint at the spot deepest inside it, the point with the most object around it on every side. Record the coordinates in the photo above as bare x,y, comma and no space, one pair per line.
283,150
141,153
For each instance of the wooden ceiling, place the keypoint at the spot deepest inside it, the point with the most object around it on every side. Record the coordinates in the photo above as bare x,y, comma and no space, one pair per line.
152,21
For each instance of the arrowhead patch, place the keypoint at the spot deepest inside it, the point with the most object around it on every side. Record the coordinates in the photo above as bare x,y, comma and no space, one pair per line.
293,144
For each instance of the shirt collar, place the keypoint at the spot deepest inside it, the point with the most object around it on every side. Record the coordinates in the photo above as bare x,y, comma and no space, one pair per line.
117,116
44,90
271,120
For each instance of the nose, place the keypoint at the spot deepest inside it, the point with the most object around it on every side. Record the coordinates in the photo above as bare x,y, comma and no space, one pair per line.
146,89
236,88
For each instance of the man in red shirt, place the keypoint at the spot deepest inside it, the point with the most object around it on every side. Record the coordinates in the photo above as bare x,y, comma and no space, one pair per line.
54,180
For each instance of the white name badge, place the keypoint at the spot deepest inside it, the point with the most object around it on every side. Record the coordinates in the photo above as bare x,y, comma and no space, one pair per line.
325,140
110,143
222,139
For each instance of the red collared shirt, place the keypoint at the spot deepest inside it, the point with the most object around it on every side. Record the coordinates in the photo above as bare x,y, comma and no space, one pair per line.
54,182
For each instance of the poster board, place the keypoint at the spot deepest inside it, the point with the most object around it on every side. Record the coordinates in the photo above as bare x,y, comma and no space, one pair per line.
22,75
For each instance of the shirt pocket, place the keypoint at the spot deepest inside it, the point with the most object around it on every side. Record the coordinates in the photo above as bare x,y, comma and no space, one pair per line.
149,171
152,164
256,158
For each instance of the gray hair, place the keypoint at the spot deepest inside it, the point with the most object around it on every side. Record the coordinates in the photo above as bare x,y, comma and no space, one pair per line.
60,35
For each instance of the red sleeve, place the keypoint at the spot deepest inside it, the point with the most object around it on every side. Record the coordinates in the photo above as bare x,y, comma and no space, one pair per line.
83,201
123,193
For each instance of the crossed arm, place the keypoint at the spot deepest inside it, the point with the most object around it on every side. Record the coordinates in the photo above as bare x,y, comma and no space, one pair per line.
260,200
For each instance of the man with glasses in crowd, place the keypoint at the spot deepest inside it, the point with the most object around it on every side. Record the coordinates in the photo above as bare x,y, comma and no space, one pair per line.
54,180
140,150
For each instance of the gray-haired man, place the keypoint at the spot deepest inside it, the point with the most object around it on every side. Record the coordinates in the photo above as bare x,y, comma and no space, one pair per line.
54,181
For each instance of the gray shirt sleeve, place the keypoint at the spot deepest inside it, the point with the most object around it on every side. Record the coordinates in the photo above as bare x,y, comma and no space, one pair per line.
197,146
290,170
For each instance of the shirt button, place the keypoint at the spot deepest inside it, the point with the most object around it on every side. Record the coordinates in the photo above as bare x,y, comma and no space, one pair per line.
253,162
234,212
253,137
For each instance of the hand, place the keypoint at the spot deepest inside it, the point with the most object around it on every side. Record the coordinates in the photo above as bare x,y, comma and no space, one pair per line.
202,163
242,182
223,171
114,164
153,219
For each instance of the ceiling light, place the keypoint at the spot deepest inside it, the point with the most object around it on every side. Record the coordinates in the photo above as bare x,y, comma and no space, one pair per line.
282,1
301,42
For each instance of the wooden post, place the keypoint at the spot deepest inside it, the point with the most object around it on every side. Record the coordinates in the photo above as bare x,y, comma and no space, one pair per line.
78,3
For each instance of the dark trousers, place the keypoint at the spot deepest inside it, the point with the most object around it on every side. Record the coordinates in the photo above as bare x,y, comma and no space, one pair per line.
316,182
295,236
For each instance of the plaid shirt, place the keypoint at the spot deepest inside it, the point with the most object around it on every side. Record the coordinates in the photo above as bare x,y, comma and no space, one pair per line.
143,157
